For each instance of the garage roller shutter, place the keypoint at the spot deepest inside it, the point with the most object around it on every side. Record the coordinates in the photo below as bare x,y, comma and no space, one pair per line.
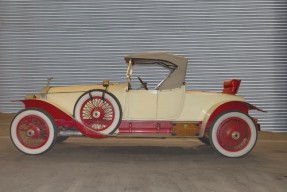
82,42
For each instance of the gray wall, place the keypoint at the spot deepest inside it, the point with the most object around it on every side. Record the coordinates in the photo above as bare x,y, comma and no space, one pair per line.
82,42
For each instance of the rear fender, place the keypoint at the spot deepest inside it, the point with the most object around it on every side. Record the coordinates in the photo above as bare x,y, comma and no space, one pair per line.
60,116
219,108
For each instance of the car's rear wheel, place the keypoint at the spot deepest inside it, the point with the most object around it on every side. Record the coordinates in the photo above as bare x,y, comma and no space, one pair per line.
101,114
233,134
33,131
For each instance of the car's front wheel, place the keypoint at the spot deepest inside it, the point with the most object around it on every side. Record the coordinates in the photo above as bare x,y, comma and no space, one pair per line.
233,134
33,131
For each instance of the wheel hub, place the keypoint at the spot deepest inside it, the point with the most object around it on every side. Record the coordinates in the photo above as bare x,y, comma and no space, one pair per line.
96,114
30,133
235,135
33,131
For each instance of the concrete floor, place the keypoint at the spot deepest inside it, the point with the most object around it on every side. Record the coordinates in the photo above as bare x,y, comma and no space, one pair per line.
159,165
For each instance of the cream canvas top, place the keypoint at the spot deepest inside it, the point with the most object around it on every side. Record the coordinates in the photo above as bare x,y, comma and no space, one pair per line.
176,64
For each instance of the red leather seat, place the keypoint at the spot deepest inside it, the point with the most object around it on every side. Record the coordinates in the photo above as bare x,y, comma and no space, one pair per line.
231,86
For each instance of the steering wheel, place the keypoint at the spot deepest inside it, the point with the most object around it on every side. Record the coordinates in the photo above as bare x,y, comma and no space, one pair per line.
143,83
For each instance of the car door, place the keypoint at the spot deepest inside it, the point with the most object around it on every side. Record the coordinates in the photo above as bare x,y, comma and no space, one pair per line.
141,104
170,103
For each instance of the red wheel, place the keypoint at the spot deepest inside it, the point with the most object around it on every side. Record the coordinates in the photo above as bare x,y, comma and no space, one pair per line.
101,115
97,113
33,131
233,134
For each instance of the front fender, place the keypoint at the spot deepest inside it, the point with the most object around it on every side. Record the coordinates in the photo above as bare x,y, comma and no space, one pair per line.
219,108
61,117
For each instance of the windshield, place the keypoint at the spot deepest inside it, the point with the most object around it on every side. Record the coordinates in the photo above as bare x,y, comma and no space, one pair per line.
129,73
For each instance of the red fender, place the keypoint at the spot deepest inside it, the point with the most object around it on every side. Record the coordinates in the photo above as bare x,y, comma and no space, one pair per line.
61,118
228,106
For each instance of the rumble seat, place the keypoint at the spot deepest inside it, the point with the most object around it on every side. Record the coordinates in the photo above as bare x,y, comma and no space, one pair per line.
231,86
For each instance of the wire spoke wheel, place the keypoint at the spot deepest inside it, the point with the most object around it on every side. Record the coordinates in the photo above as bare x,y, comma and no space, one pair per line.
33,131
233,134
98,113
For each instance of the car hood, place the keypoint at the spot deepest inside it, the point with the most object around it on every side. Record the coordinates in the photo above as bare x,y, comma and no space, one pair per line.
84,88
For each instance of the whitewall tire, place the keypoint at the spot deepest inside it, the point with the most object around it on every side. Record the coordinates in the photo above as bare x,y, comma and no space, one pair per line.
33,131
100,115
233,134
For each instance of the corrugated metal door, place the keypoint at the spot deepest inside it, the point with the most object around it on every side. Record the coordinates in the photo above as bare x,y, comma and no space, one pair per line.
82,42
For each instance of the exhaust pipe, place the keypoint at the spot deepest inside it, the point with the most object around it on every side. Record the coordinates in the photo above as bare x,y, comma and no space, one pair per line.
70,133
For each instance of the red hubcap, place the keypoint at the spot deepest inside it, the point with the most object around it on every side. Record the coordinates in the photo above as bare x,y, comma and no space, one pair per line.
233,134
97,113
32,132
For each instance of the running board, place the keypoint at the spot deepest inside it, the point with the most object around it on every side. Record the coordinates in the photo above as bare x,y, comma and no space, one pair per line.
161,136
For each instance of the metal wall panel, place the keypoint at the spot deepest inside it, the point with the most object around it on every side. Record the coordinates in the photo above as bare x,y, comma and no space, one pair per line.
82,42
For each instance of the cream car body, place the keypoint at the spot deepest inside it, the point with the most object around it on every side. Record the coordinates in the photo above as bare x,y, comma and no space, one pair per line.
172,104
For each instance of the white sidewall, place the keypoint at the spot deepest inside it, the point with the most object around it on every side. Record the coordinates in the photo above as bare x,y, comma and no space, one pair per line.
116,120
23,148
252,138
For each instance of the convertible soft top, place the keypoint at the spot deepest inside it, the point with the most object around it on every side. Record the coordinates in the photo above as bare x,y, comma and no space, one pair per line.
176,64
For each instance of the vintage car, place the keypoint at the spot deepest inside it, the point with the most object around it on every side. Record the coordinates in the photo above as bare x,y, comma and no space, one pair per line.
117,110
